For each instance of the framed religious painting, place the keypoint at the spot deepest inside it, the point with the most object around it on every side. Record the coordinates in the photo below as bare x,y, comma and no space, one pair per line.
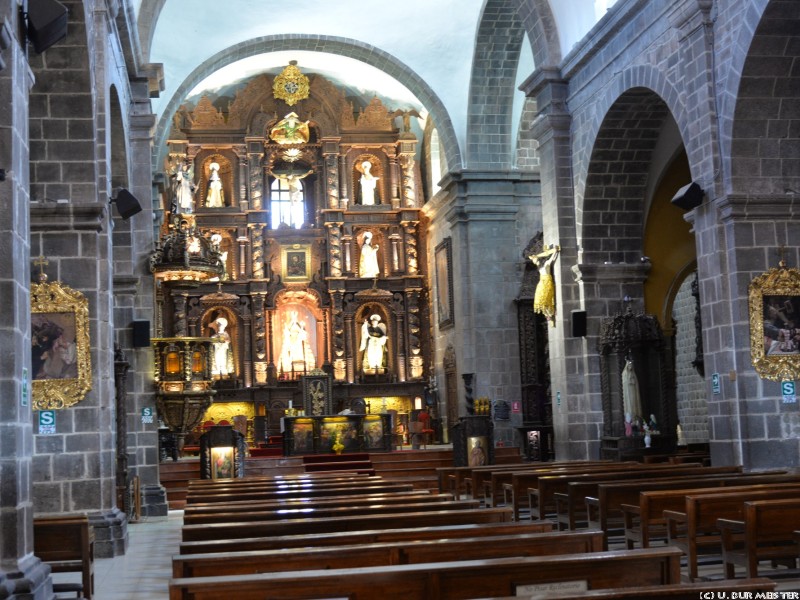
774,303
60,355
296,262
443,266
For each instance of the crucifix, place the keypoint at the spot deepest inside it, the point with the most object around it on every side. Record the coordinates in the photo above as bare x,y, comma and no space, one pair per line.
41,262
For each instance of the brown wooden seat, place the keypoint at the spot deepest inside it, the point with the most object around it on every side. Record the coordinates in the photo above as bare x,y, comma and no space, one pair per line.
66,544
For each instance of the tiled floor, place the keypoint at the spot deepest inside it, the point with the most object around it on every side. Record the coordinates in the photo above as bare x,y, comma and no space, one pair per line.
143,573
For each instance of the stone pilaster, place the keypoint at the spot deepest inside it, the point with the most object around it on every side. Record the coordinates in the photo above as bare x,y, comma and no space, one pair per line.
22,575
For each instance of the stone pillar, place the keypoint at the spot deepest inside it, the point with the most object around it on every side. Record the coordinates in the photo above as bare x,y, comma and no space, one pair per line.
22,575
572,360
483,213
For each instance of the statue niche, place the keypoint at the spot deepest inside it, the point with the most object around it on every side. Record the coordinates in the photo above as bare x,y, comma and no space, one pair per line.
374,341
217,182
368,261
366,178
295,341
220,327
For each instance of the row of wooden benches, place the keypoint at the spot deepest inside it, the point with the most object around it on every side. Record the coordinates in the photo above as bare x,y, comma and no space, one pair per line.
450,549
597,495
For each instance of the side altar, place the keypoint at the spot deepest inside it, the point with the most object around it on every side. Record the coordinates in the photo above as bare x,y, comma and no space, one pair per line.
329,434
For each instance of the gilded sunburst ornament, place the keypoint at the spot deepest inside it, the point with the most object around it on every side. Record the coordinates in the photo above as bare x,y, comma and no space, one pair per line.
291,85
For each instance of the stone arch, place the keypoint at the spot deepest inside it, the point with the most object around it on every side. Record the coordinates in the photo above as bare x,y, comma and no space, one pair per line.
610,217
764,138
494,65
334,45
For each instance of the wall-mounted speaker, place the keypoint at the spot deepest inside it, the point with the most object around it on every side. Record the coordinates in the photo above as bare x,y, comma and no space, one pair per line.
127,204
47,23
141,334
688,197
578,322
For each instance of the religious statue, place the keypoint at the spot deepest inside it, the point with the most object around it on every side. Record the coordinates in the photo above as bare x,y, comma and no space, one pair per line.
368,261
373,345
631,397
406,114
222,344
544,298
290,130
296,354
292,180
184,189
214,199
216,242
368,183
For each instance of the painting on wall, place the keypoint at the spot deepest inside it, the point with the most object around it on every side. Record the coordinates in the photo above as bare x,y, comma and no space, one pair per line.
443,259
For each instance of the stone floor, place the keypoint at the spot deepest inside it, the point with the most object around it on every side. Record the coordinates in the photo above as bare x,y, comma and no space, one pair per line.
144,572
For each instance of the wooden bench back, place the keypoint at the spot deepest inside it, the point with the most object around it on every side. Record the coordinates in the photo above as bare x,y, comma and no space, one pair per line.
367,536
385,553
443,580
352,523
66,544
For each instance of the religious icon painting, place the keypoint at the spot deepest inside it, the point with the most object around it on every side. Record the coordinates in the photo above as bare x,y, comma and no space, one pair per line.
296,262
60,354
443,259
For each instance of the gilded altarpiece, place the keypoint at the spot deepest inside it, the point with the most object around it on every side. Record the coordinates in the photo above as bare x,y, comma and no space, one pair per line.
317,212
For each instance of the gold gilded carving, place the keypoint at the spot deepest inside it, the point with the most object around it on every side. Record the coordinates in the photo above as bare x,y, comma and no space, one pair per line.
290,130
61,360
290,85
206,115
774,302
375,116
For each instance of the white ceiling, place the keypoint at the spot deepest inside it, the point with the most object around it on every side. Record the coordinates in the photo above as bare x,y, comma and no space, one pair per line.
433,38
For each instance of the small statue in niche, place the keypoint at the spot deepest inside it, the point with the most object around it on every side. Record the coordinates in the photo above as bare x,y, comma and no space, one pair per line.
184,189
368,183
296,353
373,344
368,261
215,198
222,344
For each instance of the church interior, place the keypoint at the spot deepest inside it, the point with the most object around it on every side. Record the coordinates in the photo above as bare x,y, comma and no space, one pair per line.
400,245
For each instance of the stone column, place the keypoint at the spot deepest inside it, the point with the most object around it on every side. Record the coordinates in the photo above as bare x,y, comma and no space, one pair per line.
21,573
576,414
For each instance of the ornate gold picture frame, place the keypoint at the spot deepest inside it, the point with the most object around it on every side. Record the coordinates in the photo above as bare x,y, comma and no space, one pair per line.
296,262
774,302
61,359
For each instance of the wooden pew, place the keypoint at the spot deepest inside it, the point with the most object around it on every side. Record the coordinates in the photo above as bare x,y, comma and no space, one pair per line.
611,497
480,482
270,486
443,580
66,543
352,523
248,506
542,497
523,482
571,505
695,528
366,536
766,533
645,521
385,553
290,478
309,492
498,483
680,591
313,511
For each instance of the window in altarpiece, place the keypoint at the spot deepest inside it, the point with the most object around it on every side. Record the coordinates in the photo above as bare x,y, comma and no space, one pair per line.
287,203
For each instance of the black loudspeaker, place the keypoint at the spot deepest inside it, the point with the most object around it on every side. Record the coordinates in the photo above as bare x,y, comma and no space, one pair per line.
141,334
127,204
578,323
688,197
47,23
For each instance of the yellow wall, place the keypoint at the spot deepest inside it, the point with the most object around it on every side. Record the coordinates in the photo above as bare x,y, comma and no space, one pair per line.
668,241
